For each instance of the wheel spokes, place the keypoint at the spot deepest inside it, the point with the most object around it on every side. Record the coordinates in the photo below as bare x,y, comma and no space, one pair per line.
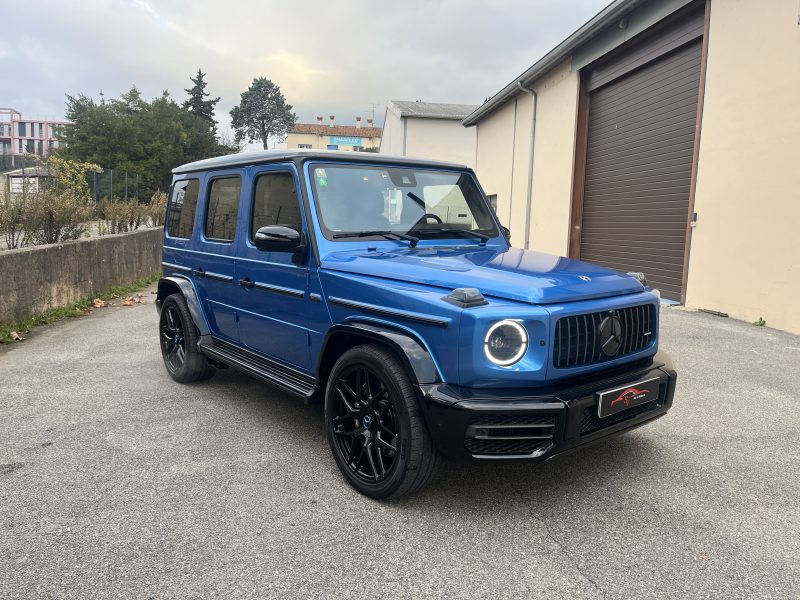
364,428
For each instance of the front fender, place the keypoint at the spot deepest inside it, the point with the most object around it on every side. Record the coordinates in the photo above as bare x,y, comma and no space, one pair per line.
410,349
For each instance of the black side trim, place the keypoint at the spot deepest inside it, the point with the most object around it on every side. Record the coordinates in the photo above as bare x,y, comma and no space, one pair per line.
175,267
279,290
287,378
315,297
219,277
389,312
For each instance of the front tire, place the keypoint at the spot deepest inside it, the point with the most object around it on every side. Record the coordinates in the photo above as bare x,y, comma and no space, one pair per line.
373,425
178,336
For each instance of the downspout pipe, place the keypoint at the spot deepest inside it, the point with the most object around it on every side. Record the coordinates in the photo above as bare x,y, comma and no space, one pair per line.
529,198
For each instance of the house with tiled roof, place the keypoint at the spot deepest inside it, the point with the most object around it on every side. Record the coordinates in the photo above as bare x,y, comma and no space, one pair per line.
321,135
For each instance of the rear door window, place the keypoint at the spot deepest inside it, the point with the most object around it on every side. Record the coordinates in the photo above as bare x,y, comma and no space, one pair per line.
222,208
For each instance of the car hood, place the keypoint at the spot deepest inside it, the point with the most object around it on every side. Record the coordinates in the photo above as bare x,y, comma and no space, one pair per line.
512,274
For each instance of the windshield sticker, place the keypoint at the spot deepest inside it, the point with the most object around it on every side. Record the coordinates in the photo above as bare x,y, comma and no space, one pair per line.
322,177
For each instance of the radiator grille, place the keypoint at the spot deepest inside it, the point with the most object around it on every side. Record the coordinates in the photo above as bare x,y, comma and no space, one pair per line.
577,338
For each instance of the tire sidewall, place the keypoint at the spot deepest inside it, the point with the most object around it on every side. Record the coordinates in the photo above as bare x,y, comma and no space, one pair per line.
193,361
366,355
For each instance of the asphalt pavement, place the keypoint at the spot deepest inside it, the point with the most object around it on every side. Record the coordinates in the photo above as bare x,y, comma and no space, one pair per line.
116,482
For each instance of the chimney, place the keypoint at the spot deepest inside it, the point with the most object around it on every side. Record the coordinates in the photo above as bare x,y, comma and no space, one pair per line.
319,120
332,117
358,122
369,122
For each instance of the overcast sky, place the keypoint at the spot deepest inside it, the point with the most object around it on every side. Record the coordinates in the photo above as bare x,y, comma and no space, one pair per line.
328,57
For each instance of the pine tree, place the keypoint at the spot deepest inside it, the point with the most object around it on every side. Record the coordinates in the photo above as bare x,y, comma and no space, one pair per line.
198,104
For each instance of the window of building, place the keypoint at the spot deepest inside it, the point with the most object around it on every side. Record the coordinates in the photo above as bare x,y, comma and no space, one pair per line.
182,208
22,129
41,130
275,203
333,147
31,146
223,206
493,202
304,146
358,148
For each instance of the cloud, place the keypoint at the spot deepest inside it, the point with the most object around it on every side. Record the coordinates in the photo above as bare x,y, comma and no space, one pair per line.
328,57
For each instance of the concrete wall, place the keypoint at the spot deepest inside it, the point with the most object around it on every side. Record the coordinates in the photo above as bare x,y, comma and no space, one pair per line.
745,250
436,139
392,140
503,156
440,139
35,279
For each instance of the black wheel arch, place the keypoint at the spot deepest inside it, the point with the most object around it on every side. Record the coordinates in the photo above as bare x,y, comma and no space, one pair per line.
409,349
180,285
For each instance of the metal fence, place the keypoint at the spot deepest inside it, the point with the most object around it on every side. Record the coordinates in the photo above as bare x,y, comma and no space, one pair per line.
109,184
112,184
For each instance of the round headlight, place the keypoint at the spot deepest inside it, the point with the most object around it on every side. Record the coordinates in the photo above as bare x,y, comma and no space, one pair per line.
505,343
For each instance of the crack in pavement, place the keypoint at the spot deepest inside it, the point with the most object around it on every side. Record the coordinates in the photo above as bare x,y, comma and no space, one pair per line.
549,535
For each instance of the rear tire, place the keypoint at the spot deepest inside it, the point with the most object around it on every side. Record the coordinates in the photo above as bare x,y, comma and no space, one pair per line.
178,337
376,433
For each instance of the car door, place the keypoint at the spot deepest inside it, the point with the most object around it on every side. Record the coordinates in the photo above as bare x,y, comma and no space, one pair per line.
214,263
273,302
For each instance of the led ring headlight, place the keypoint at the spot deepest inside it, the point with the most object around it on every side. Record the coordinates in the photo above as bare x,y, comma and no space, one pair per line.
505,342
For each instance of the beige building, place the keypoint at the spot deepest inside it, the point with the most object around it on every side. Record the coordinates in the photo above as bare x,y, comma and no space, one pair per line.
662,137
429,130
330,136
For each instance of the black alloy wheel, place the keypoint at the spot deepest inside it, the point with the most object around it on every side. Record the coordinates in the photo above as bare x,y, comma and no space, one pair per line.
375,430
173,342
178,338
365,426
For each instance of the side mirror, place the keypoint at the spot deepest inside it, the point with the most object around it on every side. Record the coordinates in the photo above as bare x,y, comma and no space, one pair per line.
278,238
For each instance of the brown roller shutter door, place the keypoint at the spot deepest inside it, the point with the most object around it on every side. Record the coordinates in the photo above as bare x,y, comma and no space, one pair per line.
637,182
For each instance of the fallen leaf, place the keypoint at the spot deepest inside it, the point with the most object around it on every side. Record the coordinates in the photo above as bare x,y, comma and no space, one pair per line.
127,301
16,337
98,303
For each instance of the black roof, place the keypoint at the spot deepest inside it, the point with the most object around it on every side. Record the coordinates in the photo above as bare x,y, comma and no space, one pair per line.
267,156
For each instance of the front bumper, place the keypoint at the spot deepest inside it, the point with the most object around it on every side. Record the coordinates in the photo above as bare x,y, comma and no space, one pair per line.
534,425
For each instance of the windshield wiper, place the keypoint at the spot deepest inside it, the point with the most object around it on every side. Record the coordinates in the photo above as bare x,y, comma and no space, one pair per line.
476,234
384,233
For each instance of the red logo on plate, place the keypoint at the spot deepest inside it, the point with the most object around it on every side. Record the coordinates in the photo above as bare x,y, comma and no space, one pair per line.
629,395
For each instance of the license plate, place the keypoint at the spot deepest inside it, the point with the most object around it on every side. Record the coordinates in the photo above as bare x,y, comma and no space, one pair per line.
613,401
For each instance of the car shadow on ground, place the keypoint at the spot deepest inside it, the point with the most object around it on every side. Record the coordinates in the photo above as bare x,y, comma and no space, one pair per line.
615,462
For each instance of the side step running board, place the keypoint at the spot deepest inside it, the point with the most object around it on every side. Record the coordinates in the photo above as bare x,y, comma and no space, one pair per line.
288,379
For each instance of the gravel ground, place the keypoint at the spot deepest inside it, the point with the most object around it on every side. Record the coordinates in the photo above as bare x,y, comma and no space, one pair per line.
116,482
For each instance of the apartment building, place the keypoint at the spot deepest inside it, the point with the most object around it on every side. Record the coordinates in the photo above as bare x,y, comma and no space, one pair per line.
321,135
20,136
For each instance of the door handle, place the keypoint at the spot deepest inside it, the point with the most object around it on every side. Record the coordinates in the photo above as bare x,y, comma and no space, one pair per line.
247,282
199,272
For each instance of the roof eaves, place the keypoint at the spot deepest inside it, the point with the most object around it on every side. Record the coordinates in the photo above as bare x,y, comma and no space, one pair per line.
605,17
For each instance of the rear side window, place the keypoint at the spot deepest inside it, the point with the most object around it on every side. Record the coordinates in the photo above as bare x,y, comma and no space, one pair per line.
275,202
182,207
223,206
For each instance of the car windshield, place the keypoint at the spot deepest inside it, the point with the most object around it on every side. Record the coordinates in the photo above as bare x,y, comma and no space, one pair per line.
353,201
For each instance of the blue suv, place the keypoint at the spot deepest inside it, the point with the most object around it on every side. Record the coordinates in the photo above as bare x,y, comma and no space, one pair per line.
386,288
